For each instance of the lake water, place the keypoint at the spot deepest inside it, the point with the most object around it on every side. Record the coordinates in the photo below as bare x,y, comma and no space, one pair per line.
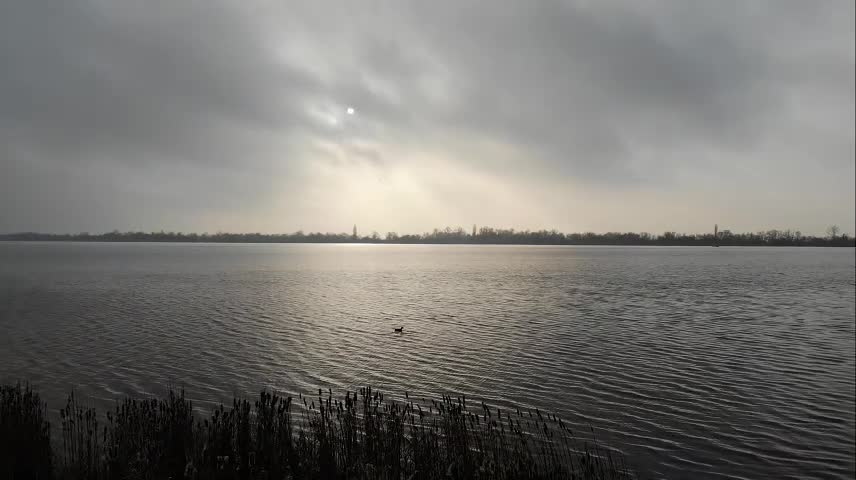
694,362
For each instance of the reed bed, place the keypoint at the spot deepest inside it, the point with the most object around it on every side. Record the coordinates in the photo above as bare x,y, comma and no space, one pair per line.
360,436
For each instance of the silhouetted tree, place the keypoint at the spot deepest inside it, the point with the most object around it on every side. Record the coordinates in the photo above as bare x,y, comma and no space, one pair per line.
832,231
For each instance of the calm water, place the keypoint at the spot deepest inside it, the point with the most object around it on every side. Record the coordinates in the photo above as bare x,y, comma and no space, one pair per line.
695,362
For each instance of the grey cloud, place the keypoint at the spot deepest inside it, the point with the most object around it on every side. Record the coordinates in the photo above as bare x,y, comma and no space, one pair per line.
86,78
195,108
585,85
581,85
106,104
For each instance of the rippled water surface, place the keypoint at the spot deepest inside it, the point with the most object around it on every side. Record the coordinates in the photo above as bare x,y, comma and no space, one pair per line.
695,362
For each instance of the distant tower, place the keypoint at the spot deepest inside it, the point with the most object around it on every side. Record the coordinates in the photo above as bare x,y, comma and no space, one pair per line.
474,229
355,232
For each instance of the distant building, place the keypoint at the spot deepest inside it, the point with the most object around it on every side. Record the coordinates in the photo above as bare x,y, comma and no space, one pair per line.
354,236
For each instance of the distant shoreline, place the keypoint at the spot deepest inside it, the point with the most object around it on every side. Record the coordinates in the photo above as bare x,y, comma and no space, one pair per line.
383,242
485,236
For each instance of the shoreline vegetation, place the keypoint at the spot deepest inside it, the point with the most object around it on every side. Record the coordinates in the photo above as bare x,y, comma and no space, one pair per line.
360,436
480,236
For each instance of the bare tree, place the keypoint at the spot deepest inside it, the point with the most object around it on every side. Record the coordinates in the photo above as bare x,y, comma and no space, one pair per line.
832,231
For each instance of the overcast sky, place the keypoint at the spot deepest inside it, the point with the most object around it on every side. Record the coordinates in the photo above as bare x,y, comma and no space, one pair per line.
581,116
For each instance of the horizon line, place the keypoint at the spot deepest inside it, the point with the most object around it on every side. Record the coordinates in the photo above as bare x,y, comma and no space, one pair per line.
454,230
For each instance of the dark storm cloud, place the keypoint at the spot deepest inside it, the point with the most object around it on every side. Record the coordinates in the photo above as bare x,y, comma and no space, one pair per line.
176,113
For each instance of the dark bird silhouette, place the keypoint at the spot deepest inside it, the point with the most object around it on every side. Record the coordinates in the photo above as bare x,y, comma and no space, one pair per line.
399,329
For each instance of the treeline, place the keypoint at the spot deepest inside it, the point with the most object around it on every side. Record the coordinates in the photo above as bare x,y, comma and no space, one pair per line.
484,235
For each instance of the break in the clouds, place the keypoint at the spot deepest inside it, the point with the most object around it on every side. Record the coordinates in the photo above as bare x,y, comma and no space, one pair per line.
277,116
